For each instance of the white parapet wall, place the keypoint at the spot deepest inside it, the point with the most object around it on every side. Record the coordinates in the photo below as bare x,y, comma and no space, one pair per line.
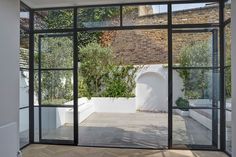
87,107
114,105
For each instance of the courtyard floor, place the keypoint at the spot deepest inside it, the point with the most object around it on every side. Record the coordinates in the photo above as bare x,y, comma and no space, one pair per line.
134,130
72,151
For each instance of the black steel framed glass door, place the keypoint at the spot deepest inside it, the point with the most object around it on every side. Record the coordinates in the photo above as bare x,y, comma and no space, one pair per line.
196,98
194,105
55,88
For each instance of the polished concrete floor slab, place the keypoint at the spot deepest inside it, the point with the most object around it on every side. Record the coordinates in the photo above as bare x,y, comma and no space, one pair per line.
73,151
134,130
140,130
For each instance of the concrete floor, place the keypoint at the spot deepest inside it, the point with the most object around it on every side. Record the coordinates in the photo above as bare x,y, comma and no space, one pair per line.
137,130
72,151
140,130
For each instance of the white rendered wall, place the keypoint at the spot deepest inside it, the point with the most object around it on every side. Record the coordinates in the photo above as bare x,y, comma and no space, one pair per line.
233,54
152,93
9,77
114,105
152,88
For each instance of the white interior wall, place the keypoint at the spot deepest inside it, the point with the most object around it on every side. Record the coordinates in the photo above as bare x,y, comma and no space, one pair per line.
9,77
233,16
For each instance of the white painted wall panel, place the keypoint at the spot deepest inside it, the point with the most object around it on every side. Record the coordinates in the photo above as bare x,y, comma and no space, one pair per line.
233,54
9,77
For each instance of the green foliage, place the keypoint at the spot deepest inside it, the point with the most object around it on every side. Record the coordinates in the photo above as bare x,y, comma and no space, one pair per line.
195,81
228,82
99,75
97,14
182,103
120,82
94,68
56,86
86,37
57,19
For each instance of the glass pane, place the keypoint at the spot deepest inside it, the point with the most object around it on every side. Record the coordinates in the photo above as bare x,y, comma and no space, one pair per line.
195,13
227,10
53,19
36,87
195,48
24,51
145,15
228,37
36,124
24,19
99,17
24,88
24,127
57,123
120,77
56,52
193,127
228,131
57,87
228,87
196,88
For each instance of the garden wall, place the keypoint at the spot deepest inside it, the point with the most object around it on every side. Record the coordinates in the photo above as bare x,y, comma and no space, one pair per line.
151,46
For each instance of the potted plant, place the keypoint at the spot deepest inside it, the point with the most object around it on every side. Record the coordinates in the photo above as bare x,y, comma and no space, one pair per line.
183,106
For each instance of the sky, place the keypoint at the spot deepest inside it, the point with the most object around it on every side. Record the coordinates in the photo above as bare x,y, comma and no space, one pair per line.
176,7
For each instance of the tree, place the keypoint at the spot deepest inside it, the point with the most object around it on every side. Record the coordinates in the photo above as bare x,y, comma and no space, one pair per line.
94,69
100,76
58,53
56,86
195,81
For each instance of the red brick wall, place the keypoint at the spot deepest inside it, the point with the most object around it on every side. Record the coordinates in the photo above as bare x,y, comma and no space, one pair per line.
150,46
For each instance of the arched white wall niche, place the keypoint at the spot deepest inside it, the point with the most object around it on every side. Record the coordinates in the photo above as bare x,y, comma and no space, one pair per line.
152,88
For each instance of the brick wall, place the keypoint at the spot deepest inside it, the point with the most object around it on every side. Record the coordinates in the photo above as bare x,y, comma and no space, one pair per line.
151,46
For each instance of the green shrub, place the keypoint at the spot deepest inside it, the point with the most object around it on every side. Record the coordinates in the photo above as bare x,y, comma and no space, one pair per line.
100,76
196,82
121,82
182,104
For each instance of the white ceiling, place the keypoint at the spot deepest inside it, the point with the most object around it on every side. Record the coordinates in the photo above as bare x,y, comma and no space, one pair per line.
65,3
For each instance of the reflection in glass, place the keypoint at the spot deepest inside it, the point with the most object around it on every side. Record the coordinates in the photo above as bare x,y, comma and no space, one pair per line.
200,87
145,15
98,17
24,88
24,127
228,129
53,19
57,123
195,13
192,127
227,10
56,52
56,87
195,49
228,88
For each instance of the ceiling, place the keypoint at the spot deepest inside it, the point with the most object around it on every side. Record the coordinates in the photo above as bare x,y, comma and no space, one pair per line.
65,3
